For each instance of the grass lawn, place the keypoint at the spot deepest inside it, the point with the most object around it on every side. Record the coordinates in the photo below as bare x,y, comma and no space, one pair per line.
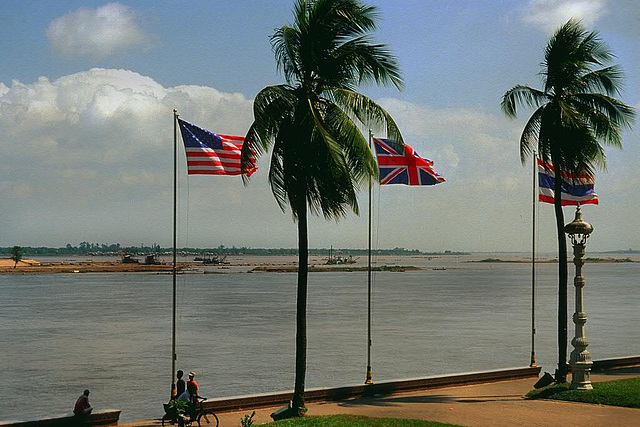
616,393
353,421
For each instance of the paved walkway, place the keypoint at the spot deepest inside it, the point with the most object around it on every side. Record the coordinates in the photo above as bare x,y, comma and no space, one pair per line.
482,405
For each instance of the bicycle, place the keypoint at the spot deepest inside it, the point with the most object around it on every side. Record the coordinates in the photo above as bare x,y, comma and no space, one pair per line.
186,417
207,414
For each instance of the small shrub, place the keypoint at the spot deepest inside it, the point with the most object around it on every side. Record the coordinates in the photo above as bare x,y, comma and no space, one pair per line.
179,406
247,420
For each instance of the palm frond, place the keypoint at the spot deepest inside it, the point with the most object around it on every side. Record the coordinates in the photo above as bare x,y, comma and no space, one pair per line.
359,60
252,148
593,49
285,43
583,154
343,18
277,179
530,134
520,95
368,112
569,55
604,129
357,154
606,80
288,173
616,111
568,115
324,135
328,185
270,107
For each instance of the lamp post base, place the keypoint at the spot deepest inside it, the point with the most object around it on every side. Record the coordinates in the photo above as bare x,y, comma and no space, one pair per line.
581,364
369,379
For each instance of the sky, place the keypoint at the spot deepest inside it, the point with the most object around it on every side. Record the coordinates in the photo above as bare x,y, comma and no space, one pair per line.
87,90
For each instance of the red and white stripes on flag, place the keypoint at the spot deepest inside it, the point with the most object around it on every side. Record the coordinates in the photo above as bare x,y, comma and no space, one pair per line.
211,154
575,190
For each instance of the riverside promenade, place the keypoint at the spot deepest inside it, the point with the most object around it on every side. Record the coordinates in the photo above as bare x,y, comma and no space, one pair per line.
481,405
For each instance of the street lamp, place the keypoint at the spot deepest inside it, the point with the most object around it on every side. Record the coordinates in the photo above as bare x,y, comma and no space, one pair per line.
580,359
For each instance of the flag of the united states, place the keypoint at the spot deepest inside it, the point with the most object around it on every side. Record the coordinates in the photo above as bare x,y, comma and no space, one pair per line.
209,153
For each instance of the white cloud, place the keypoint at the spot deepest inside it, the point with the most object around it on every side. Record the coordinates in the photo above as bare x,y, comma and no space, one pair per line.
548,15
453,136
94,145
94,153
89,157
96,32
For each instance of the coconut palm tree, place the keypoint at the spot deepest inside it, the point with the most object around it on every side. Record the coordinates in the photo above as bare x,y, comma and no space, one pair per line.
320,158
574,113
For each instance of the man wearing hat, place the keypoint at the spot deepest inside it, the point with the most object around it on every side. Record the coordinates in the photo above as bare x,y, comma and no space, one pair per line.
192,387
82,405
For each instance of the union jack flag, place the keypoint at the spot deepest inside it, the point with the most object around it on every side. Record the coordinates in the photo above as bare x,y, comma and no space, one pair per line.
408,168
209,153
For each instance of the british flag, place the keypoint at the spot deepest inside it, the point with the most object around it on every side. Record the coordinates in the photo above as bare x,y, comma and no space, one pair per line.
210,153
408,168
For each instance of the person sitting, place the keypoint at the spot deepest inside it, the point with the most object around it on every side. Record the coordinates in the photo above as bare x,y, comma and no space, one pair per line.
83,407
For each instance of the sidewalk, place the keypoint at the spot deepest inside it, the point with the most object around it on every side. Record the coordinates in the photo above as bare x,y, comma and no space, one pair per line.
481,405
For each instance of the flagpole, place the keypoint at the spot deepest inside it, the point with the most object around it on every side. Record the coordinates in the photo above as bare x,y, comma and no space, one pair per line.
175,211
369,378
533,262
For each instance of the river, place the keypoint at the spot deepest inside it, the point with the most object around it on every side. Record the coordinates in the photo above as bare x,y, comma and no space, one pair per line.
111,333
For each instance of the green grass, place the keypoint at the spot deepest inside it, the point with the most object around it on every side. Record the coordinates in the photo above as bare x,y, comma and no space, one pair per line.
615,393
353,421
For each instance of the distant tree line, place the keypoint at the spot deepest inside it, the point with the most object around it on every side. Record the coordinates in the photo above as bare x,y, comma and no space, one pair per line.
86,248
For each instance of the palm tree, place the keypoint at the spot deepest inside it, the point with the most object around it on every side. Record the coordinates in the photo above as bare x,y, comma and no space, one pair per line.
575,112
320,158
16,255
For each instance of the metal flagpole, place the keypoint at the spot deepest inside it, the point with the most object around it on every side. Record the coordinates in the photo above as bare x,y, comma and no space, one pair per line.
175,209
369,379
533,262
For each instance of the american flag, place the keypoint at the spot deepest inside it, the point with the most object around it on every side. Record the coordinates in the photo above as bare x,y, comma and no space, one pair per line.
408,168
209,153
575,191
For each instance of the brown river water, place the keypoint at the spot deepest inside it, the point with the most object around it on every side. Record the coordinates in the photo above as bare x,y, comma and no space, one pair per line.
111,333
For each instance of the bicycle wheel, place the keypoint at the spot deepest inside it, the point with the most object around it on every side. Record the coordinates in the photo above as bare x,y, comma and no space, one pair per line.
208,418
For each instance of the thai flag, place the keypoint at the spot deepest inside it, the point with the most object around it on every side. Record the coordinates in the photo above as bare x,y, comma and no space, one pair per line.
209,153
408,168
575,190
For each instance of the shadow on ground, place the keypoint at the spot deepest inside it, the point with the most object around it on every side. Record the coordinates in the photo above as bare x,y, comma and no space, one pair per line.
436,398
622,371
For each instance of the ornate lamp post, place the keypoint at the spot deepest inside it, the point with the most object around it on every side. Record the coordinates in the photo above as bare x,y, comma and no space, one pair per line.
580,359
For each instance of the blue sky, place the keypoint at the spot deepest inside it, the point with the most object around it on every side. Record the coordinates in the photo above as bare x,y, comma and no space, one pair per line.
87,89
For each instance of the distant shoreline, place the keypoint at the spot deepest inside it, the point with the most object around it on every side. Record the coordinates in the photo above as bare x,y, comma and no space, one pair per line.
553,261
341,268
35,267
117,267
275,264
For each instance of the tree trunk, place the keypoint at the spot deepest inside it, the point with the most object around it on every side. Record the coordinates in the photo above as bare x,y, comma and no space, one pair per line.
561,372
301,314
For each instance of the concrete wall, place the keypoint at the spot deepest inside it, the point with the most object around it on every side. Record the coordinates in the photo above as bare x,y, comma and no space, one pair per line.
107,417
